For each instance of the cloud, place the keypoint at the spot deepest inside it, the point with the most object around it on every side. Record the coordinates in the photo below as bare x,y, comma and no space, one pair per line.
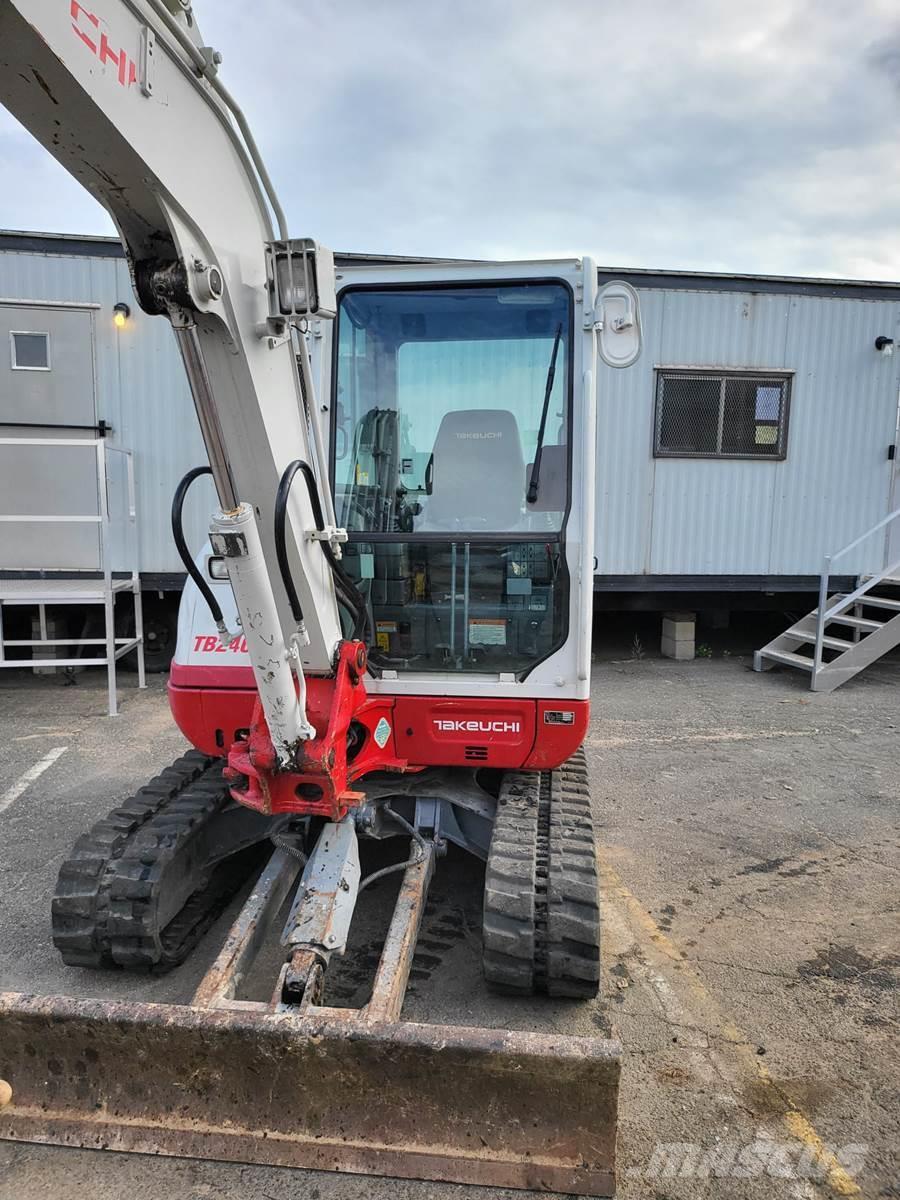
36,193
665,133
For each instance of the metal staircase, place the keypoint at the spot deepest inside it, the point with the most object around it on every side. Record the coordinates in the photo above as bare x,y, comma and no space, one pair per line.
847,632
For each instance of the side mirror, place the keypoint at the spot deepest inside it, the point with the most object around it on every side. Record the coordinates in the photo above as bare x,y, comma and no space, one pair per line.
617,320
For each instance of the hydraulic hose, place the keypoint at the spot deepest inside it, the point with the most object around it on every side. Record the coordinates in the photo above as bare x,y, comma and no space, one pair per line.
347,590
185,555
281,499
417,856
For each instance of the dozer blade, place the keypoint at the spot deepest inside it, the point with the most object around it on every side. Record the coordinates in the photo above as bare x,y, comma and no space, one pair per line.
333,1092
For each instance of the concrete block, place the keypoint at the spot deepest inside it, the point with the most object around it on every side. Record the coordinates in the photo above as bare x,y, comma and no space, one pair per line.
56,628
679,627
682,650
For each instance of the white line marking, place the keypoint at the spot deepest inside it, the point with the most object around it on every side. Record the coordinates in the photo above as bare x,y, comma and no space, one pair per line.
616,742
29,777
31,737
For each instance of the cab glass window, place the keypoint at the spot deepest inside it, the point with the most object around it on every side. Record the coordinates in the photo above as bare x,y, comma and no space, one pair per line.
446,399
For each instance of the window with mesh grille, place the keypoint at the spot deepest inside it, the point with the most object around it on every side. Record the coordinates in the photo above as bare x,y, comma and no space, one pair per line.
721,414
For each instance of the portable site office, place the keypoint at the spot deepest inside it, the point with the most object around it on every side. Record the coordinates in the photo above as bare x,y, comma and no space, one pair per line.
755,435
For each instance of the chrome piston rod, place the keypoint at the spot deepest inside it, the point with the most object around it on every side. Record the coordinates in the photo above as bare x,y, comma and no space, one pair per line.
188,342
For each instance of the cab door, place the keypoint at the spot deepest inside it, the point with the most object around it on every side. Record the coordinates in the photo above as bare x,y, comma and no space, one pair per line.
447,379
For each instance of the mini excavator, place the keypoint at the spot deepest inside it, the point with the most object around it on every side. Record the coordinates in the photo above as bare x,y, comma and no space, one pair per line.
386,636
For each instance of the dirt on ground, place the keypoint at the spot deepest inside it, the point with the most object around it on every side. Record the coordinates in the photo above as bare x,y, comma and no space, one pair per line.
748,840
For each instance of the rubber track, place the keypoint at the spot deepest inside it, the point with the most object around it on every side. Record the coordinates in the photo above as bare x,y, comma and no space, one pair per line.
573,890
140,879
541,900
509,886
106,910
80,905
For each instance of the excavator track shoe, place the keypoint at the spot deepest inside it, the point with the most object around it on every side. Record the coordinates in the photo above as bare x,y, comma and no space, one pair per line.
143,886
541,895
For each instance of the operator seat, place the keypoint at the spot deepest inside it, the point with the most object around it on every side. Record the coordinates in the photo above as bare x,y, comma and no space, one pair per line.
475,479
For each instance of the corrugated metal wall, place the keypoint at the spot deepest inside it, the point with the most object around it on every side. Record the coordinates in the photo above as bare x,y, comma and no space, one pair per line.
664,516
141,390
670,516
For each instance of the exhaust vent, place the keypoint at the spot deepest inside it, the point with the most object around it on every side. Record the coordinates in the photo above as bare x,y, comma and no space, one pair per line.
476,753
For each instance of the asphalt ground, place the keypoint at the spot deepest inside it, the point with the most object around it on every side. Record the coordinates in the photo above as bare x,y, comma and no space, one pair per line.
748,839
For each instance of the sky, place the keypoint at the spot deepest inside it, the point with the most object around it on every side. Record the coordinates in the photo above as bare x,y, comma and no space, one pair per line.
730,135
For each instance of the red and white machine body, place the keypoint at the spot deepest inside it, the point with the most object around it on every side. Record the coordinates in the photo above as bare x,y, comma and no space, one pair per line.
482,701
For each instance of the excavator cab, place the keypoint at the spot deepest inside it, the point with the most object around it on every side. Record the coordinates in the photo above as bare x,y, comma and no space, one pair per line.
459,419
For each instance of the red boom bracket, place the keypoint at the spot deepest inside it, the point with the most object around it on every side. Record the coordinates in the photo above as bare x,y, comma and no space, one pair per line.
354,735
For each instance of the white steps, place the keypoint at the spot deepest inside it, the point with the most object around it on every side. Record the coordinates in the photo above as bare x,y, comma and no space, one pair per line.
830,643
789,659
882,602
857,622
868,639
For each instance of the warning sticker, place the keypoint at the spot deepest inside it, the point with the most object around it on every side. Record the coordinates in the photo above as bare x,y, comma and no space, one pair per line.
382,733
383,631
486,631
559,717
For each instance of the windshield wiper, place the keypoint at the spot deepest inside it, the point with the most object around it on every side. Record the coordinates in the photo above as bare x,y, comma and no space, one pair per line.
534,481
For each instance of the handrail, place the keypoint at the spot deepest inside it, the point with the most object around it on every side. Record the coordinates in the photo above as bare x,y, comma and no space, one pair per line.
823,615
101,448
107,514
25,441
852,545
